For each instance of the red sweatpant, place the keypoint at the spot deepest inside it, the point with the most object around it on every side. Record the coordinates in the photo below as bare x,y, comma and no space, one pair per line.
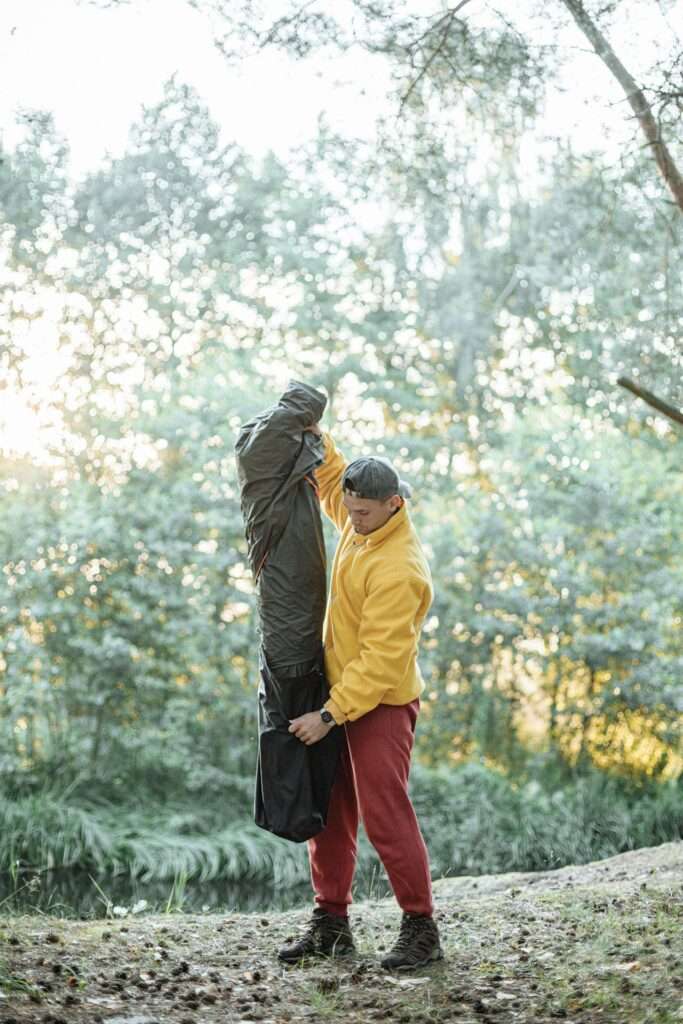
372,783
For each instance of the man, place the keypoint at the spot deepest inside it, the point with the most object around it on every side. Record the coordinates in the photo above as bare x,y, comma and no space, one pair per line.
380,593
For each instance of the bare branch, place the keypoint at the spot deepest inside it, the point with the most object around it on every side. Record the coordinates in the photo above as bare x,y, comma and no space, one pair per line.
657,403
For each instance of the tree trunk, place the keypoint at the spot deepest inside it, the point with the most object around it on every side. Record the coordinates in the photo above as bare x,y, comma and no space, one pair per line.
635,96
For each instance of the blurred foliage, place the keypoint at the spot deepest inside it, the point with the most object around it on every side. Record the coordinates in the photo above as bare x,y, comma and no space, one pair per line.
468,323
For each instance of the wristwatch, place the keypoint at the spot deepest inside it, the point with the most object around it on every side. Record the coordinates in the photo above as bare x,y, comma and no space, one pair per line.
327,717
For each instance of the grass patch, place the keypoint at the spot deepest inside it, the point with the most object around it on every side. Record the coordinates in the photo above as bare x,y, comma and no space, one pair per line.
13,984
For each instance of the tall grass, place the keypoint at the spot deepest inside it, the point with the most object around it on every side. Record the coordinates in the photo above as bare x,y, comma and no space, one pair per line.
475,820
478,821
43,833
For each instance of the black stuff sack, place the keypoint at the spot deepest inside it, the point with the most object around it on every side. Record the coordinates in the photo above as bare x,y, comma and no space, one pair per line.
276,459
293,781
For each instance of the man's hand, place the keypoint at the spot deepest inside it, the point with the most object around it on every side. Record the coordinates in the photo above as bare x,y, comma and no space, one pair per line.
310,728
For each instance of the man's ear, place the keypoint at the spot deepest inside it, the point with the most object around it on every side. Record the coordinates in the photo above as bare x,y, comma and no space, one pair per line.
395,501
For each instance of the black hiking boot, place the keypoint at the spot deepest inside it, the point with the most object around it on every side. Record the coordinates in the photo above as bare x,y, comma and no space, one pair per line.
325,935
417,944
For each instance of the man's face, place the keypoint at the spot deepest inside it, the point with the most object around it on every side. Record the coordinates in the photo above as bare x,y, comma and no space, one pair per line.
369,514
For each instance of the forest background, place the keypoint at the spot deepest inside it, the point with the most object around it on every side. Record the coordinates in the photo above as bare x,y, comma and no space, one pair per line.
468,281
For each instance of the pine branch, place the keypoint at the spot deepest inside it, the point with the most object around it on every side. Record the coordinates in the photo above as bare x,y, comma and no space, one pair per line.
447,20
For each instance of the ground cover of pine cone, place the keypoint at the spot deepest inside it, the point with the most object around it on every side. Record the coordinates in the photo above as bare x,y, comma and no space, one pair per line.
601,942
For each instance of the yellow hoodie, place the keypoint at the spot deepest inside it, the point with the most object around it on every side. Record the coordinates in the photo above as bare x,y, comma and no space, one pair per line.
380,592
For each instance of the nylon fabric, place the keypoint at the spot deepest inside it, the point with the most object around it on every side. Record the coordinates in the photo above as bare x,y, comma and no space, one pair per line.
276,458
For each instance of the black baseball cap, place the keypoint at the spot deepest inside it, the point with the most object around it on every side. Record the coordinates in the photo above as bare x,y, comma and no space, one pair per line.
374,477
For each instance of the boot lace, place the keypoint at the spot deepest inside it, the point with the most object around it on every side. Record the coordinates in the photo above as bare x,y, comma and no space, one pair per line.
415,937
324,926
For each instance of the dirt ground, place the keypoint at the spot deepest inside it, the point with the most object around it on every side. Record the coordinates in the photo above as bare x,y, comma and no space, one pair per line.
602,942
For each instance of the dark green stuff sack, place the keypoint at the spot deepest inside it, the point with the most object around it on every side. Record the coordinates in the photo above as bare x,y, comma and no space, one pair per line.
276,459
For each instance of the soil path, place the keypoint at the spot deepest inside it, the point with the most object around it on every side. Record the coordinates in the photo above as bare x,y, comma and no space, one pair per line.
601,942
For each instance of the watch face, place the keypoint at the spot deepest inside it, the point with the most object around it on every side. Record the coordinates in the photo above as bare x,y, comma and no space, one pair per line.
326,716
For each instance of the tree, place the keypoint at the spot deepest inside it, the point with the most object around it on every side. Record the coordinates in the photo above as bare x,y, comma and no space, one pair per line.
459,76
447,54
652,128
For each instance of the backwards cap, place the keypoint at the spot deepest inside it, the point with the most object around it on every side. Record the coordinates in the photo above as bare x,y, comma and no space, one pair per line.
374,477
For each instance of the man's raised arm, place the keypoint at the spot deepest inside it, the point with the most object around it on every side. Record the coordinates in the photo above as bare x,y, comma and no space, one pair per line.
329,478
